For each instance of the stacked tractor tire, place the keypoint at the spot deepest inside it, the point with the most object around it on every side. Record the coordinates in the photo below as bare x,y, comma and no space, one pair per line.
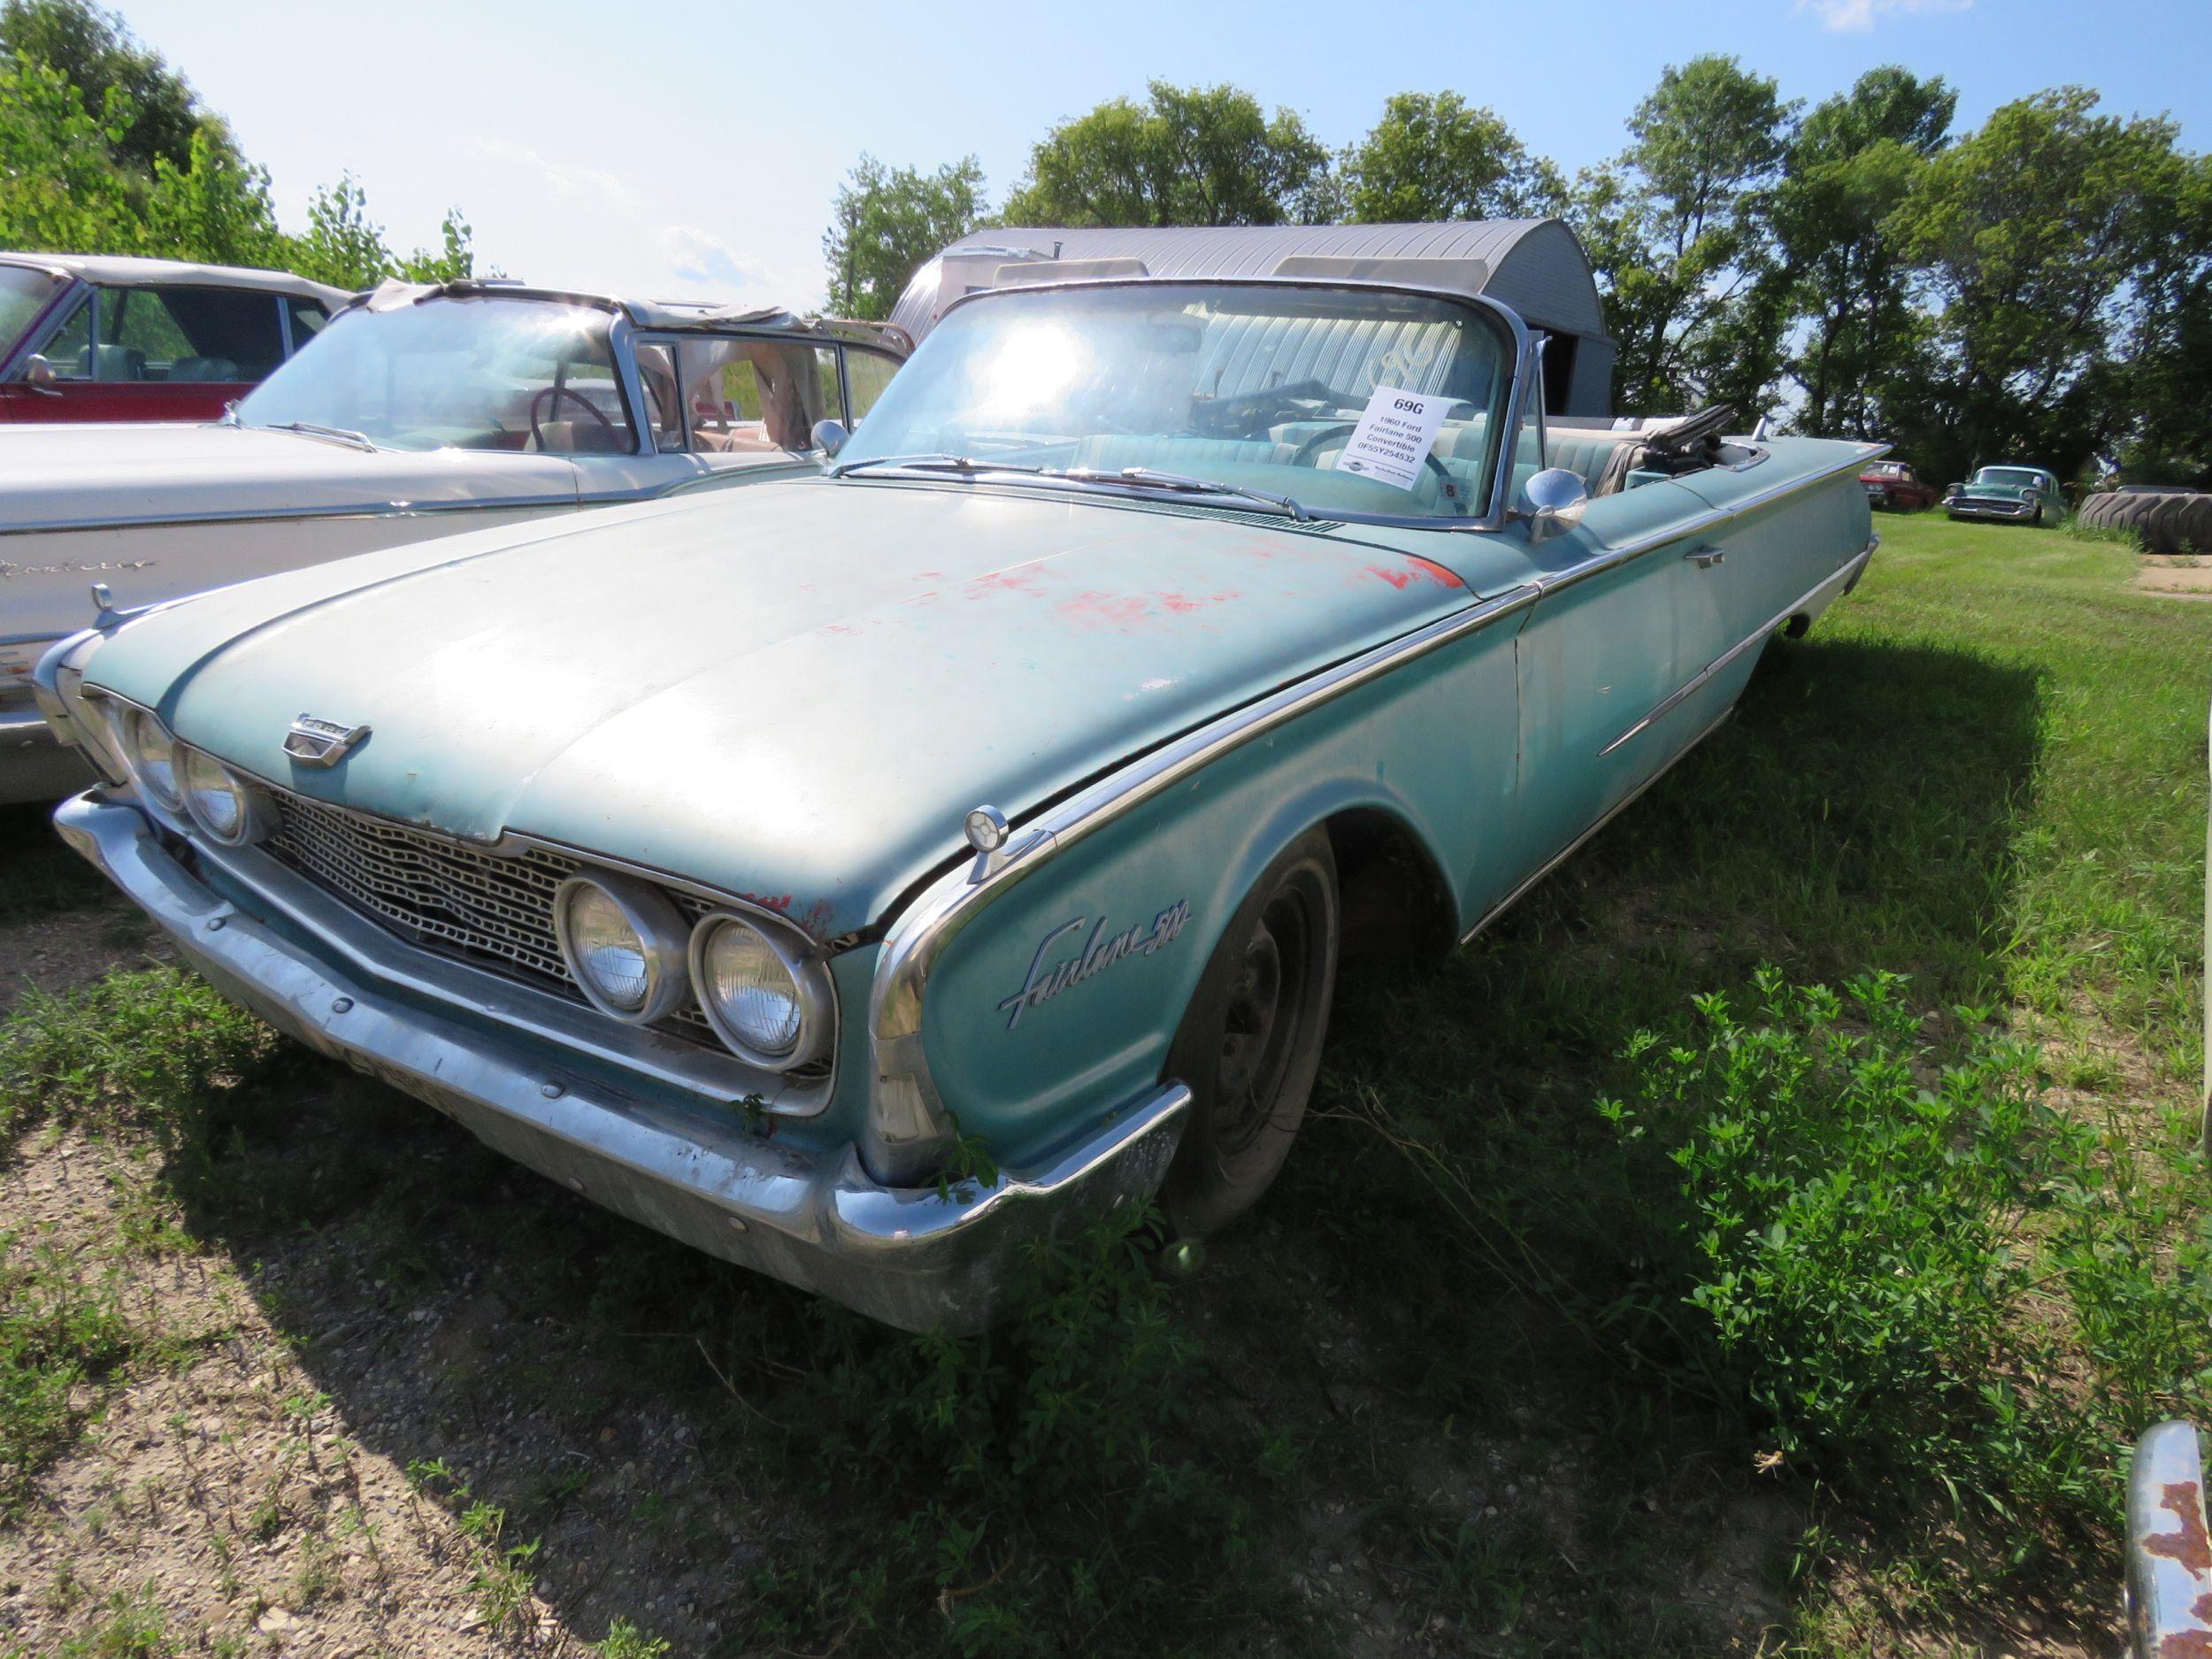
2169,521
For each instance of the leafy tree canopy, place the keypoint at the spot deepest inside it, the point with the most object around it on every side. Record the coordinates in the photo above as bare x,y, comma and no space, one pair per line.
1186,156
1433,156
888,220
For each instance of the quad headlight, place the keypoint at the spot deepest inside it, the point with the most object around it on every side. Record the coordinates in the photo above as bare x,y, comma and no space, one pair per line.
151,755
220,802
763,998
624,943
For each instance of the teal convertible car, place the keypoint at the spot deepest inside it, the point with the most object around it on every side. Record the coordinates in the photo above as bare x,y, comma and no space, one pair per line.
856,875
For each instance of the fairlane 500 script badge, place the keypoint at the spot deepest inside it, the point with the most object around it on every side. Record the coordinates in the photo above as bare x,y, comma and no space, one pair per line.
1100,951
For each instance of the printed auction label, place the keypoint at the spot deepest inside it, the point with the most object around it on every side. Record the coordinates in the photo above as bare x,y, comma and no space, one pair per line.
1395,435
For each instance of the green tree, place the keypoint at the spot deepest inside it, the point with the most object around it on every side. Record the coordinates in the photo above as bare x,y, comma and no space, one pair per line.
1852,162
2035,236
887,221
2163,395
1186,156
57,188
1434,157
1676,230
95,53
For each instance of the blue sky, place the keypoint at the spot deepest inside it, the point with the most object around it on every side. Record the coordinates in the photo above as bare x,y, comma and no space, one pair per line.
693,148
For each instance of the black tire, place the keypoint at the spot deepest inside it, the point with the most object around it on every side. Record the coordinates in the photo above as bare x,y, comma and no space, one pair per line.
2196,525
1250,1046
2161,523
2096,512
2038,520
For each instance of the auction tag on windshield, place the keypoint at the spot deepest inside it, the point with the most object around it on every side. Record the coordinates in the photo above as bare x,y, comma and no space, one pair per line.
1393,436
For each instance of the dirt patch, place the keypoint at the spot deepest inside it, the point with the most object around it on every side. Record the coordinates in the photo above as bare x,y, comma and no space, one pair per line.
2176,579
59,953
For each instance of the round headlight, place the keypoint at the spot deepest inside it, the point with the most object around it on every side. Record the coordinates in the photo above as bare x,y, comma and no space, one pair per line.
153,755
758,994
624,943
220,801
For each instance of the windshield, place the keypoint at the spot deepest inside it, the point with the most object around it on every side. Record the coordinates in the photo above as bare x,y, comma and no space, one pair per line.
2010,475
453,374
1350,402
24,294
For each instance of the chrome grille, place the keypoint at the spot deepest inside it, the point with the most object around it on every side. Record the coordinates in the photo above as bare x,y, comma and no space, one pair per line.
493,911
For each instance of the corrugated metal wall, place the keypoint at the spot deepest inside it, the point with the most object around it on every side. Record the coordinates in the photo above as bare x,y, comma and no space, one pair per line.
1535,265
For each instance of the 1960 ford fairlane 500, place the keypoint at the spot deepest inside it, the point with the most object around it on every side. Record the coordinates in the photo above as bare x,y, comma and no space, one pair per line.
748,863
420,412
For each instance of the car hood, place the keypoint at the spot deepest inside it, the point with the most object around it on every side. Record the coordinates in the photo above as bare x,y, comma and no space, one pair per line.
794,692
84,475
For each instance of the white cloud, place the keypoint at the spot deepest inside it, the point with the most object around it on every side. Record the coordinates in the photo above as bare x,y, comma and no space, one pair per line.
699,256
564,180
1858,17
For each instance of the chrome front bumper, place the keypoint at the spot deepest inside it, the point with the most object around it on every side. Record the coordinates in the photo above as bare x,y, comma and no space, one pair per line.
1990,508
917,1258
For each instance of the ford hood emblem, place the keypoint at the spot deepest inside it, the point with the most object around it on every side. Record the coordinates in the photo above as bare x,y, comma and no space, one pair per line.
314,742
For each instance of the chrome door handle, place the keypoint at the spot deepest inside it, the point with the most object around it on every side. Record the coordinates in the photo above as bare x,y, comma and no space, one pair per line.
1705,557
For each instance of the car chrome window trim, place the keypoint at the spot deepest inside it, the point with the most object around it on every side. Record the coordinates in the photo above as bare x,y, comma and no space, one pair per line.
1496,511
59,307
356,509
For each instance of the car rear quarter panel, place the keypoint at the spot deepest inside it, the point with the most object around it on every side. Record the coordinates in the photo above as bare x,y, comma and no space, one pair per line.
1431,744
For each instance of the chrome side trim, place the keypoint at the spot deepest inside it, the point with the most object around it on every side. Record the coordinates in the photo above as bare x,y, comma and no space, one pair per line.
1840,581
906,1127
1713,519
923,1258
358,510
1579,841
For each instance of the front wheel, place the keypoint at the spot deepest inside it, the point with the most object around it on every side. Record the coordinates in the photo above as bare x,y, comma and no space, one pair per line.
1249,1045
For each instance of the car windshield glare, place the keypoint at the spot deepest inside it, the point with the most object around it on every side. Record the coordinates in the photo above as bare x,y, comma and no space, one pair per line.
458,373
24,294
1336,401
2010,475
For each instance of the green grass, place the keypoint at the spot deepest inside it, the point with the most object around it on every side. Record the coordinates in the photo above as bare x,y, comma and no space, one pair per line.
1610,1211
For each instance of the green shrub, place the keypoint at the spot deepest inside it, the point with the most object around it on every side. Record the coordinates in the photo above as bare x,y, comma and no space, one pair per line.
156,1049
1904,1273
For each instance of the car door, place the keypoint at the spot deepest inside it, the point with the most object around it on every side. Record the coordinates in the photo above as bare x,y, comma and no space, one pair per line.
173,353
1634,610
721,404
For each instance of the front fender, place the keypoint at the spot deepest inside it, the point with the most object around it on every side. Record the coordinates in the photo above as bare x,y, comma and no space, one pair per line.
1061,997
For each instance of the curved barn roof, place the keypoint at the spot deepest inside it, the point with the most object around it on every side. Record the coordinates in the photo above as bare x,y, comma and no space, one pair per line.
1535,265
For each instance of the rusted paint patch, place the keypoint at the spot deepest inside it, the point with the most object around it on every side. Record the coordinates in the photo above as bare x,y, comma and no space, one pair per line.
2190,1547
1095,608
1416,569
1025,580
780,904
2190,1644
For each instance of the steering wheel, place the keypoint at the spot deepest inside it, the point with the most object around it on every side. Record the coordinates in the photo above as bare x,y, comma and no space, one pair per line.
1249,412
1312,446
548,395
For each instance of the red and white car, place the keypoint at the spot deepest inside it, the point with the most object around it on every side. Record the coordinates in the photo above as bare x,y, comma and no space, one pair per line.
90,337
1894,484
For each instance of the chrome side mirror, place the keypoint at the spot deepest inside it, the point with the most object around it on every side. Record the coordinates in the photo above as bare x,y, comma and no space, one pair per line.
38,374
1555,493
829,437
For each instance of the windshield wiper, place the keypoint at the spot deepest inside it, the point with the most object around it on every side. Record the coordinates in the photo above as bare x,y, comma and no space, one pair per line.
1150,478
932,462
336,434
